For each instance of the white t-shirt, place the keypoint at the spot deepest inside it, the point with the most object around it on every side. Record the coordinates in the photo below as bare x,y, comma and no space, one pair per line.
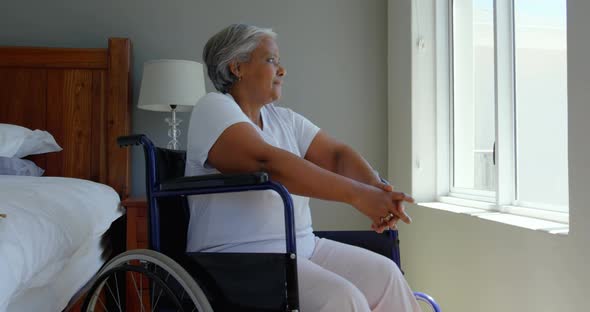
250,221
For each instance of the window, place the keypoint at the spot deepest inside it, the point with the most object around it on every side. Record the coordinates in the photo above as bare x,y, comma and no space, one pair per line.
541,103
473,97
508,103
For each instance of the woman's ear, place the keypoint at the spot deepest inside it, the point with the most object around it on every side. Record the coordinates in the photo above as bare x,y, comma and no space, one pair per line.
234,68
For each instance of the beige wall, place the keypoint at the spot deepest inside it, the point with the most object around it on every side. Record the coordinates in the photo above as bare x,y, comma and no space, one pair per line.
334,51
469,264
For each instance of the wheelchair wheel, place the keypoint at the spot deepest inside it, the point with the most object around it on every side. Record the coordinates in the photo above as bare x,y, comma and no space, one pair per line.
428,301
157,282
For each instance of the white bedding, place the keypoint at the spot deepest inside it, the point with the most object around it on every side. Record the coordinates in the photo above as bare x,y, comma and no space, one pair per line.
56,294
48,221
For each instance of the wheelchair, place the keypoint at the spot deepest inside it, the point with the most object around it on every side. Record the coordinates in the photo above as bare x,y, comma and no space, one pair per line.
166,278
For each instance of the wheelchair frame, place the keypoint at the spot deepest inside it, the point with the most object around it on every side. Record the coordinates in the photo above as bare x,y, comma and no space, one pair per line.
216,183
159,186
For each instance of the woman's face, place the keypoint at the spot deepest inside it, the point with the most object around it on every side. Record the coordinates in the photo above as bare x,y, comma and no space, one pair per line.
262,75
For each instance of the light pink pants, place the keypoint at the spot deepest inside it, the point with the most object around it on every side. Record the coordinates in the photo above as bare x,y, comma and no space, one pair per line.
342,278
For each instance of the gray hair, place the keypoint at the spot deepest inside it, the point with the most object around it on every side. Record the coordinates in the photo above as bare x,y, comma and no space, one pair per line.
233,43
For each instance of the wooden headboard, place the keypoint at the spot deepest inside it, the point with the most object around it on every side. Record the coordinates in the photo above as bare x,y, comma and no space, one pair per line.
82,97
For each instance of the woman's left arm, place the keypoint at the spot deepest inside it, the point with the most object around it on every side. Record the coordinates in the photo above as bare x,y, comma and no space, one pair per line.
341,159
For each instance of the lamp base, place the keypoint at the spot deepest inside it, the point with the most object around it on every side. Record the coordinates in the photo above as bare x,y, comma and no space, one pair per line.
173,132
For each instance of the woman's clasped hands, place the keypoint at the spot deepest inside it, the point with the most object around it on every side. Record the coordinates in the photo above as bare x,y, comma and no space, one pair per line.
384,206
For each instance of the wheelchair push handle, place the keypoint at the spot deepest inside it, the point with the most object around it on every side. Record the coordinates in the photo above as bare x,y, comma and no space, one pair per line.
128,140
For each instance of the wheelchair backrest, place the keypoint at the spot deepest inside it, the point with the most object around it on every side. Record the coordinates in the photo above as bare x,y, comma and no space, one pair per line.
173,211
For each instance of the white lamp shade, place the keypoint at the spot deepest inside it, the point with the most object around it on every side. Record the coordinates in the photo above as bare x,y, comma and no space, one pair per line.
171,82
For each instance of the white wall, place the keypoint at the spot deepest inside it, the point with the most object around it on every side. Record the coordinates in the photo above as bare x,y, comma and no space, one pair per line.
399,94
334,52
469,264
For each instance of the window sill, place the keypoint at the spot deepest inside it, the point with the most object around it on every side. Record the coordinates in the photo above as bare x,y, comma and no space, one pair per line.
545,221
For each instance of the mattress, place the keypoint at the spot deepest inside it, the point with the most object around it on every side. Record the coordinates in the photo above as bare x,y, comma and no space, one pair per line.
50,238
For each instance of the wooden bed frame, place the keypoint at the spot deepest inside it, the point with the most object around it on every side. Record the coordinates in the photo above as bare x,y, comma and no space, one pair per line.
82,97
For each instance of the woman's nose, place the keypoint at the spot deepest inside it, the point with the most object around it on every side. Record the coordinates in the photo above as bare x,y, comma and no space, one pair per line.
281,71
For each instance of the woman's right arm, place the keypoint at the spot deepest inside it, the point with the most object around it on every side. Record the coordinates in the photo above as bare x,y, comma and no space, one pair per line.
240,149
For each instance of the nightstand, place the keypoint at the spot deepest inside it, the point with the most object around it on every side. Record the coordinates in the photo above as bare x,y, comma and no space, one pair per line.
137,236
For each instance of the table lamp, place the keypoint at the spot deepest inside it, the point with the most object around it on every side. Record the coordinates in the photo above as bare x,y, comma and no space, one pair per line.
171,86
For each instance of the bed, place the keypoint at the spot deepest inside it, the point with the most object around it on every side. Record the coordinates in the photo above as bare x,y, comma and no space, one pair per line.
53,229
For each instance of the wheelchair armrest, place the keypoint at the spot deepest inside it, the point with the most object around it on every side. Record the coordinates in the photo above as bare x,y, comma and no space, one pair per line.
214,180
220,183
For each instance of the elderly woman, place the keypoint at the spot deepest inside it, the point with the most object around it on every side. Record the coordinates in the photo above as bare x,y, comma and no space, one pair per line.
239,129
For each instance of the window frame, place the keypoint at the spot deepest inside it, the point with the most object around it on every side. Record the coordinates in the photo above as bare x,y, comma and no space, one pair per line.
504,199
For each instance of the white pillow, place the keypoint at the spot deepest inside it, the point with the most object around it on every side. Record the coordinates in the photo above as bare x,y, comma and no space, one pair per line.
20,167
17,141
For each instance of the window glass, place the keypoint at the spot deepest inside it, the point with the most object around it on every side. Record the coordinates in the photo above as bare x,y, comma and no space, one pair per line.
473,94
541,103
